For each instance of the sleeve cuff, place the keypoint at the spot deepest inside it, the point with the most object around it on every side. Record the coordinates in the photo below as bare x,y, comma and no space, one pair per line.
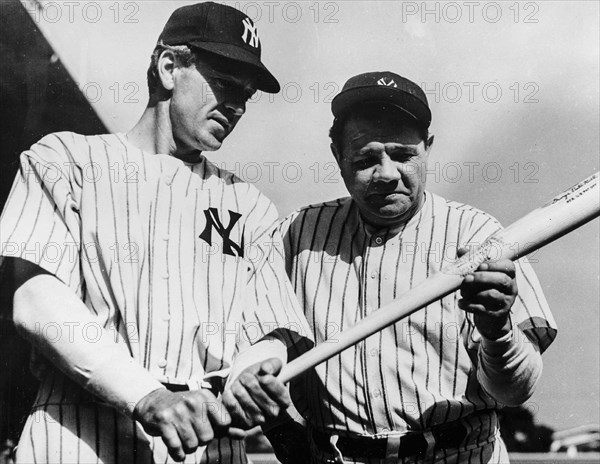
122,383
500,346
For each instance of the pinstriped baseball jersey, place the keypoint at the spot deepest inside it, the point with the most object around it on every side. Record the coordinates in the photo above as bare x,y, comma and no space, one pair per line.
422,371
177,260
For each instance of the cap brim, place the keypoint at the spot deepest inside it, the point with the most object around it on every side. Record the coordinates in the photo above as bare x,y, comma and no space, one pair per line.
408,103
265,80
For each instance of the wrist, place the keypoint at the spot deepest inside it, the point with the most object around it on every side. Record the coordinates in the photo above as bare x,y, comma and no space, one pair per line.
498,347
494,329
141,406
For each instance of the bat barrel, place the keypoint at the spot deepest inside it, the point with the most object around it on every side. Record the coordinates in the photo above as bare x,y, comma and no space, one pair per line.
564,213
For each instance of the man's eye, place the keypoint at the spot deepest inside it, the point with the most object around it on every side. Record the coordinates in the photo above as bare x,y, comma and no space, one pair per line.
363,163
402,156
219,83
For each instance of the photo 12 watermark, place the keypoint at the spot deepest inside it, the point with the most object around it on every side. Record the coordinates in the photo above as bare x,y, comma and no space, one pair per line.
69,12
471,12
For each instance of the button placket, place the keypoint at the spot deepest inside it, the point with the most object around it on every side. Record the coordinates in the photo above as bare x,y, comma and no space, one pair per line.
371,353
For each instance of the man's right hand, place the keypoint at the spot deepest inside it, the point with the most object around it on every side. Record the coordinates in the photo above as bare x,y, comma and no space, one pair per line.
184,420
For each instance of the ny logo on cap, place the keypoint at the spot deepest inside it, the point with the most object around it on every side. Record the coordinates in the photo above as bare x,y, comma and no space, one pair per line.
389,83
250,35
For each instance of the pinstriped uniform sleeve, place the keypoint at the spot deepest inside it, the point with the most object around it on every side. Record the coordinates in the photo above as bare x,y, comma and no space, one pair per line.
530,312
40,221
271,302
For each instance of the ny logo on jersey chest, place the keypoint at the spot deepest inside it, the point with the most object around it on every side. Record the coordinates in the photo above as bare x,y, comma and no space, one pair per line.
214,221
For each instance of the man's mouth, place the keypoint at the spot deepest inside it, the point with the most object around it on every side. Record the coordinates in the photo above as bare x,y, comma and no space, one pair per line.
388,194
223,121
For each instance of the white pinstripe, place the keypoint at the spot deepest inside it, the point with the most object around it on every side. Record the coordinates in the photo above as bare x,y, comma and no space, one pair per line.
124,228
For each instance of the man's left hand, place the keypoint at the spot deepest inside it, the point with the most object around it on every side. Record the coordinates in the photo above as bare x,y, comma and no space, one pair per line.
256,395
489,293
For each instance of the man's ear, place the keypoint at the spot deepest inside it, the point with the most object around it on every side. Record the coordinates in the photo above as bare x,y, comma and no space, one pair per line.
165,68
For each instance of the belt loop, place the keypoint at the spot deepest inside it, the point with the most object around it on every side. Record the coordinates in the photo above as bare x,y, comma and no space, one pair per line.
339,458
194,385
430,439
392,449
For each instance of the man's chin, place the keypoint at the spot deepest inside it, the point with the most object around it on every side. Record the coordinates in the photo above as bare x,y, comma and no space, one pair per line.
385,217
211,144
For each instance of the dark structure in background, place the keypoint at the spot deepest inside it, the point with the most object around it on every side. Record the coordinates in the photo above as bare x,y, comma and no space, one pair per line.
520,432
37,96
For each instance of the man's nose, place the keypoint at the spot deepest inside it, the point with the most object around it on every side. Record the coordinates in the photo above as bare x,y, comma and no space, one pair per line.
237,107
386,171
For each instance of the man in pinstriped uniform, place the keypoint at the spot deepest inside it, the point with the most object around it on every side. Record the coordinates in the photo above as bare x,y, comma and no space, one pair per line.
140,269
426,389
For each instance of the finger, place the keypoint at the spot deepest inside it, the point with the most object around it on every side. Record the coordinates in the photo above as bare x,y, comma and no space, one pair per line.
480,310
205,413
255,391
277,392
203,431
216,413
239,416
241,390
236,434
505,266
484,280
268,379
472,308
189,437
171,439
491,299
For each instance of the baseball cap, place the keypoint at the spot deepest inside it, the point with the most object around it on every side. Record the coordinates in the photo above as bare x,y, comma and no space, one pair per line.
385,87
221,30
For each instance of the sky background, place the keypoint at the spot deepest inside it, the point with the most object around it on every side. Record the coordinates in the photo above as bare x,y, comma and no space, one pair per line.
514,92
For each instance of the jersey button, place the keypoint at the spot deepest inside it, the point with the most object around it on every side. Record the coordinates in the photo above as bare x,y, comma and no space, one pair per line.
165,275
374,275
162,363
166,317
376,393
378,240
166,237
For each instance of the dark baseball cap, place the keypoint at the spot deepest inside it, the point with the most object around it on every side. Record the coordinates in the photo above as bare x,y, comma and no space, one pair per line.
221,30
384,87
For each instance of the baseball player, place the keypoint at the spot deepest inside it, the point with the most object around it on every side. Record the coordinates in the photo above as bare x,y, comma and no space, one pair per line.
140,270
428,388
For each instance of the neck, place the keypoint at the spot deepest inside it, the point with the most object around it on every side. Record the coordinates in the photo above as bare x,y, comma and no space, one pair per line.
153,133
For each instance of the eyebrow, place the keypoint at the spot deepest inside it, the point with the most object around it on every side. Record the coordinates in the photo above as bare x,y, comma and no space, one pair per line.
213,73
398,147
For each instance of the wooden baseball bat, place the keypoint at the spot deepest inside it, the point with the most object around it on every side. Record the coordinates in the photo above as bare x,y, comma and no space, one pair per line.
564,213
